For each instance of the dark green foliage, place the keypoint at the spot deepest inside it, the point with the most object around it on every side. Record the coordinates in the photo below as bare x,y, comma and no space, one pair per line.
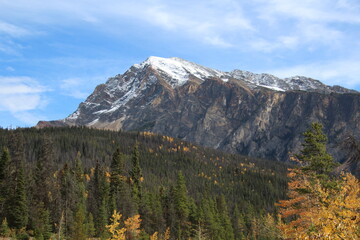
98,199
314,153
4,180
227,230
120,196
4,229
181,208
79,175
79,227
41,222
90,227
17,208
136,175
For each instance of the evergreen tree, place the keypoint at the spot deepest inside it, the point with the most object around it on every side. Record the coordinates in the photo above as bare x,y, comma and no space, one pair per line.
181,207
79,230
5,231
90,227
99,195
314,153
4,180
136,174
17,208
239,224
67,203
41,222
227,230
43,173
120,198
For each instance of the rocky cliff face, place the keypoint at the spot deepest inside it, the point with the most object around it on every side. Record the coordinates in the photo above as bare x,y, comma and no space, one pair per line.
253,114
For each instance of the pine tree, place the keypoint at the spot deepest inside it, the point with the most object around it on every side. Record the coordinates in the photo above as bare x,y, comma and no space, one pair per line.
90,227
5,231
66,182
225,221
42,177
136,174
17,208
100,196
79,230
41,222
314,153
181,207
239,224
120,198
116,179
4,180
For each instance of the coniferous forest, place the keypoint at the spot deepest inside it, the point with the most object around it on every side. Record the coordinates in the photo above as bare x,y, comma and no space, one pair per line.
65,183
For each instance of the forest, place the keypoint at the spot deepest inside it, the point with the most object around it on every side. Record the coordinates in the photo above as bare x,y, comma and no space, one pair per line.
80,183
65,183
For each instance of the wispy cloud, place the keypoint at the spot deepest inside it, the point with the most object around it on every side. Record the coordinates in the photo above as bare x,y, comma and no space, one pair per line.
19,95
12,30
340,72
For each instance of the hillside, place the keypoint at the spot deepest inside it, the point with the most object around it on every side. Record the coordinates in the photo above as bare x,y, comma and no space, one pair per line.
247,186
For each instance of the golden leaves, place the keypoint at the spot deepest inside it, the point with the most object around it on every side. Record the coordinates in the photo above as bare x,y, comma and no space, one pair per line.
317,212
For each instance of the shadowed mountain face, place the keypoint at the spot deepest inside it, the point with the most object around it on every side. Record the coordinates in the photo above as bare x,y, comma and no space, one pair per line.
241,112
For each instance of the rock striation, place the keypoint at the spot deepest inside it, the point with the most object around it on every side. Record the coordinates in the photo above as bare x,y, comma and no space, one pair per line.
240,112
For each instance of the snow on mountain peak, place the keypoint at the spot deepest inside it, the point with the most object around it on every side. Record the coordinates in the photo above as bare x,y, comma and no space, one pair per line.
178,69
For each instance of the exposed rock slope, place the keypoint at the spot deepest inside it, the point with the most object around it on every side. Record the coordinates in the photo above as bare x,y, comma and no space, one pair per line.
255,114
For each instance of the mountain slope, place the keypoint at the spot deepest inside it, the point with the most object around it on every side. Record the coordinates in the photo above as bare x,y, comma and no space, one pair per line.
254,114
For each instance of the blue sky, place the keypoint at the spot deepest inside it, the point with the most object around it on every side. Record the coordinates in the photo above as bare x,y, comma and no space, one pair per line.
54,53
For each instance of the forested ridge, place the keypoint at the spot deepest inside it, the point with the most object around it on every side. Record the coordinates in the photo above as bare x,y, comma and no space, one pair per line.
65,183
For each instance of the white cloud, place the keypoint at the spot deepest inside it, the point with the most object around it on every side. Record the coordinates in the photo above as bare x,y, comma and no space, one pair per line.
21,94
12,30
341,72
202,20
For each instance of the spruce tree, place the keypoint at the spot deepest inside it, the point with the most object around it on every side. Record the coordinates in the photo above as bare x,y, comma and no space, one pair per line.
79,230
120,198
116,179
181,207
43,173
17,208
5,231
100,197
4,180
314,153
41,222
227,230
136,174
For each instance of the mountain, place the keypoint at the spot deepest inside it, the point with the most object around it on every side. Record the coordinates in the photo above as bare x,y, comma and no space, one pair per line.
241,112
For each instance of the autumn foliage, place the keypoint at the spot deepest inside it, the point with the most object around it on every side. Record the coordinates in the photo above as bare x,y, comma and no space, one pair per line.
316,212
320,205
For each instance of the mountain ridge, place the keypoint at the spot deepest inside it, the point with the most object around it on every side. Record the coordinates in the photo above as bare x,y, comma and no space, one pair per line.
255,114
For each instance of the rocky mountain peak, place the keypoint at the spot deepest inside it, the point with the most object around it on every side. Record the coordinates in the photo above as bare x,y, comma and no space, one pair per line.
176,70
239,111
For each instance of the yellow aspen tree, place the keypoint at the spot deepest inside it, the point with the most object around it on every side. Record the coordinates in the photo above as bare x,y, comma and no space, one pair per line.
167,234
132,226
117,233
154,236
